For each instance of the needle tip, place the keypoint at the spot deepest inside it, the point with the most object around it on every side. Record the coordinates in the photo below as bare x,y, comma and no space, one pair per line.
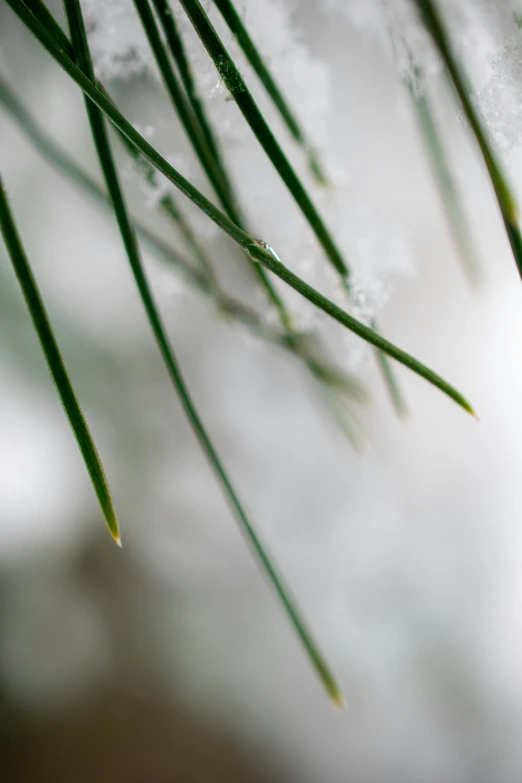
337,696
117,539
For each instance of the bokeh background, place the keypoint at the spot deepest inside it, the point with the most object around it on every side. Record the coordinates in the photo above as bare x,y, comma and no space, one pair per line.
171,660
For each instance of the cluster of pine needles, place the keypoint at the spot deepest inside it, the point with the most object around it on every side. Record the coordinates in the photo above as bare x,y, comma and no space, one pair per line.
70,50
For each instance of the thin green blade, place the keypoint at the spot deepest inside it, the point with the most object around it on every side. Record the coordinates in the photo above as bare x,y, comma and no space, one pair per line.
54,360
449,192
391,383
267,257
254,57
503,192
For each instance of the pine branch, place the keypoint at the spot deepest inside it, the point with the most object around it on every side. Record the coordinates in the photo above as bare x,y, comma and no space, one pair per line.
62,41
258,249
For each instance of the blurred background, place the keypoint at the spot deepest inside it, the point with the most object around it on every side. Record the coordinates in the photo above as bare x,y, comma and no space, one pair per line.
171,659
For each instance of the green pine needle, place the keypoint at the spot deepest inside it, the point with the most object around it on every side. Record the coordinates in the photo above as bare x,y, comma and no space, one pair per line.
55,363
253,55
267,257
449,193
505,197
393,388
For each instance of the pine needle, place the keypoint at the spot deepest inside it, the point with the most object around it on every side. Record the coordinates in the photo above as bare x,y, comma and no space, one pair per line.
266,257
254,57
450,196
390,381
505,196
56,365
